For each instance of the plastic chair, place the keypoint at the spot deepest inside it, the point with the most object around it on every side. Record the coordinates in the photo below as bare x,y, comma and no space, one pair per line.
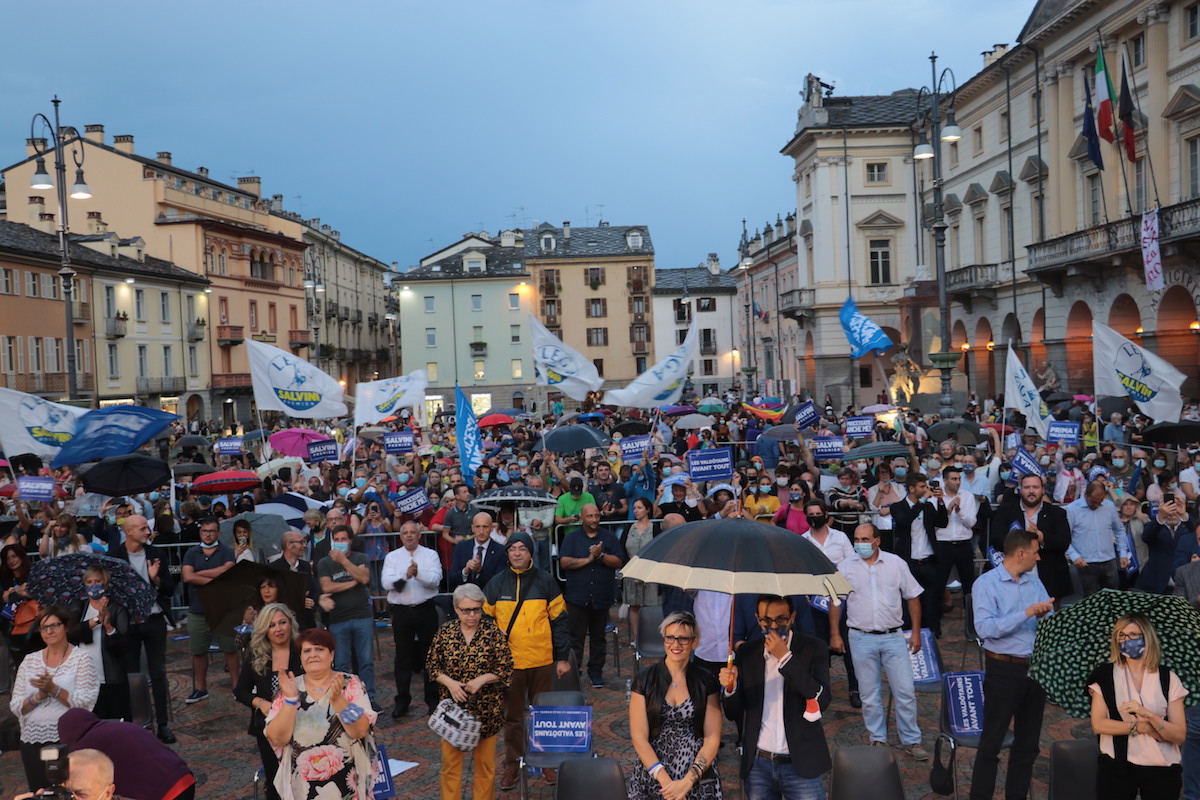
593,778
649,641
863,771
547,760
1073,769
953,685
969,632
139,699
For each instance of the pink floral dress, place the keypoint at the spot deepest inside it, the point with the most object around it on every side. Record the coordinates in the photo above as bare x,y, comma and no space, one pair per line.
323,762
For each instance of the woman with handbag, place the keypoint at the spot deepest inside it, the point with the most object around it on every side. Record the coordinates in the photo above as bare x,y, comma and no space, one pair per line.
320,725
472,663
271,651
17,609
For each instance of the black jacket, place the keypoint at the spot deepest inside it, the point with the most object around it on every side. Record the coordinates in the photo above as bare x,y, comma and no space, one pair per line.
805,675
112,646
494,560
252,685
166,581
1056,538
903,516
654,682
312,588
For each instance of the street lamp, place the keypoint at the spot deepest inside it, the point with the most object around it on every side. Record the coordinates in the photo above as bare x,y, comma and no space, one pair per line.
931,148
314,276
79,191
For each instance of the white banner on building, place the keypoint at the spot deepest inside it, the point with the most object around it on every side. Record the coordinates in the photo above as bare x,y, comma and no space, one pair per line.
555,364
1151,255
288,383
29,424
1123,368
662,384
375,400
1020,392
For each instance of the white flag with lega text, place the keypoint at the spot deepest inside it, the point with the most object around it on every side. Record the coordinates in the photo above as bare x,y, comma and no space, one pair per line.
288,383
555,364
663,383
1123,368
29,424
375,400
1020,392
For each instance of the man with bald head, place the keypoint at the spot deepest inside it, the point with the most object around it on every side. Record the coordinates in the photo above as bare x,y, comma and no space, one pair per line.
150,563
477,559
411,575
91,777
590,558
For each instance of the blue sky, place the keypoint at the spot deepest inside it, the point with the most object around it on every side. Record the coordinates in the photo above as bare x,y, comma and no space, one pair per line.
405,124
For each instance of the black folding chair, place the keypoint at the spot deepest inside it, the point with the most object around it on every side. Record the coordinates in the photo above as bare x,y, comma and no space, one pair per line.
861,771
649,641
1073,769
546,760
962,690
593,778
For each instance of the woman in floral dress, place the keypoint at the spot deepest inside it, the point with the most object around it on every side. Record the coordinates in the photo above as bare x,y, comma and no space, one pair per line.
320,725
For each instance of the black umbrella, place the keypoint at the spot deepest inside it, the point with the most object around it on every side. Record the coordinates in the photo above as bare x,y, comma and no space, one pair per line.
226,598
1182,432
27,463
192,440
878,450
965,430
632,428
1107,406
570,438
521,495
193,468
127,474
1058,397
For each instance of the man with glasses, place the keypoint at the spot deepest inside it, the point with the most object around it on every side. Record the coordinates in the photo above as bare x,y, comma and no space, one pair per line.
777,690
411,575
290,559
203,564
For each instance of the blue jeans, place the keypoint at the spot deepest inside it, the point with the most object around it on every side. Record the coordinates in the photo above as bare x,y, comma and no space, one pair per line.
356,637
770,780
541,554
875,654
1191,755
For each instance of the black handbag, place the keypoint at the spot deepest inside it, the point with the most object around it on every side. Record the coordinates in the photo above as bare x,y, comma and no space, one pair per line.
940,779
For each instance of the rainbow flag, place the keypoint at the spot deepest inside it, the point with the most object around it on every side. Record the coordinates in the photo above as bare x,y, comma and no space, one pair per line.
768,414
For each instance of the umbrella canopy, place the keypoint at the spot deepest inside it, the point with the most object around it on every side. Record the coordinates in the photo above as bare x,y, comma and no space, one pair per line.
292,515
226,480
737,556
1113,405
568,417
192,440
1076,640
226,598
676,411
273,466
1083,398
60,580
965,430
267,530
878,450
878,408
780,433
632,428
294,441
521,495
999,427
1183,432
127,474
255,435
88,505
430,449
569,438
192,468
511,412
590,416
1058,397
494,420
371,433
690,421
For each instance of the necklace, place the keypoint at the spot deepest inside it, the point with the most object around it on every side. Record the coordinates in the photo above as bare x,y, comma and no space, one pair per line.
675,679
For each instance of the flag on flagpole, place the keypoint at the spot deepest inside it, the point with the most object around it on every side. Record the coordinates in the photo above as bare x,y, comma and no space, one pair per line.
864,334
564,368
662,384
1106,98
1089,128
1020,392
1125,114
375,400
1151,254
30,424
466,431
758,312
112,431
1123,368
288,383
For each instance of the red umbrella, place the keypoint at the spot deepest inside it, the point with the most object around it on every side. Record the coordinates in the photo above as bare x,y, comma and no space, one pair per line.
294,441
391,418
228,480
9,489
492,420
1004,430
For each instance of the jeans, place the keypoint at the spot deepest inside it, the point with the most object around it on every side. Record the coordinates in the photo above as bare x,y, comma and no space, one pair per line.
769,780
151,634
357,637
874,655
1191,755
1098,575
1011,695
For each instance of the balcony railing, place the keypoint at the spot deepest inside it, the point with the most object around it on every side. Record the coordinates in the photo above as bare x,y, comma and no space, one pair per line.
343,313
708,348
549,289
231,380
797,304
373,319
230,335
196,332
165,385
300,338
478,349
965,284
116,328
42,382
641,348
81,312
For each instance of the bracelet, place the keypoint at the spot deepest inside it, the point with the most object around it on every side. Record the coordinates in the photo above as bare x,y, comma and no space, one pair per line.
59,692
291,701
654,768
350,714
1133,731
1163,725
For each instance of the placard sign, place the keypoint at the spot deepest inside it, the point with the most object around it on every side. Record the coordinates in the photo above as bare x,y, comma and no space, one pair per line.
806,415
1013,440
325,450
384,787
710,465
1026,464
964,701
820,602
36,489
230,446
826,448
560,729
395,442
632,448
414,502
860,427
1063,432
924,664
995,556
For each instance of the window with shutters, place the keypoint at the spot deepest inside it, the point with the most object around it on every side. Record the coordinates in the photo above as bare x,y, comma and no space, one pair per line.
8,280
114,362
143,361
32,285
637,304
596,307
708,366
193,361
595,276
35,354
8,354
597,337
706,304
50,287
168,360
599,364
54,355
164,307
139,304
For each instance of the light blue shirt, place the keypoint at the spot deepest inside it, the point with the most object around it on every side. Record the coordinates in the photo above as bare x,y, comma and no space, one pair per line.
1097,535
999,602
984,480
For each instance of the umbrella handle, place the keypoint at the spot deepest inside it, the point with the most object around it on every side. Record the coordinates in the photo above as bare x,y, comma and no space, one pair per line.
834,600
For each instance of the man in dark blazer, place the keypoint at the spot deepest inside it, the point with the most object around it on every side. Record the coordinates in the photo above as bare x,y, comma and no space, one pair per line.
1050,524
914,520
778,687
150,563
477,559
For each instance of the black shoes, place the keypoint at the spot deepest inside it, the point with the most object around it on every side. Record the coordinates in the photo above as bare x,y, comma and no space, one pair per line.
165,735
855,700
400,710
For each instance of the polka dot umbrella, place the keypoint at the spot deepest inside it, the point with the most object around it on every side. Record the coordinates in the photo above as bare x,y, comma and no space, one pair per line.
1076,640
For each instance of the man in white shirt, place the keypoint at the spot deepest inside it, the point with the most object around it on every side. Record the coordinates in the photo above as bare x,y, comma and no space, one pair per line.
411,574
952,546
883,583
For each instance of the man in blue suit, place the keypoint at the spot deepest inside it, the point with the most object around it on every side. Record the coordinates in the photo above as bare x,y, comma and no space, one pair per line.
477,559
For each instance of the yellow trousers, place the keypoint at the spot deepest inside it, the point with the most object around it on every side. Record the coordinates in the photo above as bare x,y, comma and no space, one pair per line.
485,770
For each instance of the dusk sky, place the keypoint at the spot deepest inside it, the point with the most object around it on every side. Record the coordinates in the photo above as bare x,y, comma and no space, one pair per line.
405,125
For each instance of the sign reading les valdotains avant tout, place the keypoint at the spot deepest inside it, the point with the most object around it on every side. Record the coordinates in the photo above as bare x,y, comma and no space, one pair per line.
414,502
397,442
710,465
964,696
806,415
37,489
632,448
860,427
827,448
325,450
1063,432
230,446
924,664
560,729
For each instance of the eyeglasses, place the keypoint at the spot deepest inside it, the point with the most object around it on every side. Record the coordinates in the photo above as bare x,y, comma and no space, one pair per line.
678,639
470,611
53,626
778,621
1124,637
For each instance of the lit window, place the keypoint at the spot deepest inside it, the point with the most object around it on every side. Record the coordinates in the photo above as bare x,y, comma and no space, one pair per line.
431,371
517,368
479,372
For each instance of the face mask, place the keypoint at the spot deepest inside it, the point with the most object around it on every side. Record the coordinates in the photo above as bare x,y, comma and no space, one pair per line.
522,464
111,519
1044,461
1159,463
39,523
781,481
212,546
969,469
764,489
900,472
666,473
1133,648
1118,462
781,632
933,468
690,502
612,459
818,521
360,482
864,549
340,546
403,477
1173,487
1069,464
344,491
795,497
95,590
1005,474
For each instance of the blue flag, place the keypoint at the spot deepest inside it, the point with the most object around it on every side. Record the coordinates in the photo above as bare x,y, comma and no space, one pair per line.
864,335
112,431
1090,134
466,430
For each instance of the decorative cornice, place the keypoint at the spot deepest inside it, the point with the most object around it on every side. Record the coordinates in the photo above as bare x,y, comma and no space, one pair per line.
1153,14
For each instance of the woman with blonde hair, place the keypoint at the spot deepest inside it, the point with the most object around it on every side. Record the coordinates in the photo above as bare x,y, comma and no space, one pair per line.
1137,711
61,537
272,650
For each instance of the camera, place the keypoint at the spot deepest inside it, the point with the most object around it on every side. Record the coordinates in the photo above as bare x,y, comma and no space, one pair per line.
58,772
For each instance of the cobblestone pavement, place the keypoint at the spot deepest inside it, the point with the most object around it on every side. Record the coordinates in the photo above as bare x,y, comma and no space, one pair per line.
212,734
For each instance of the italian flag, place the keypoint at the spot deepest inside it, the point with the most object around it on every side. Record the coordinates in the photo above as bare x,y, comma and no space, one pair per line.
1106,98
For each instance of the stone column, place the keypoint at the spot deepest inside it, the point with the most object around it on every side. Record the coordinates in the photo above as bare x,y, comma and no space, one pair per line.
1154,77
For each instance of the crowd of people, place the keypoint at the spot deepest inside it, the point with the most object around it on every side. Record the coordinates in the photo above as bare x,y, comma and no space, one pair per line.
489,602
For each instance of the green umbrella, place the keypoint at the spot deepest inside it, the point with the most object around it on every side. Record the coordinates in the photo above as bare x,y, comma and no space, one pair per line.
1074,641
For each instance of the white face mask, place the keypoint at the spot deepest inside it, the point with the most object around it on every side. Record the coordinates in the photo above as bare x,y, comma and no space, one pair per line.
781,481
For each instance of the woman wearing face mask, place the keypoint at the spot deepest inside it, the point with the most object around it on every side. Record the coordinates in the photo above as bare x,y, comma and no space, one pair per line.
760,502
102,632
1166,484
792,516
243,541
1137,711
60,537
1157,539
881,496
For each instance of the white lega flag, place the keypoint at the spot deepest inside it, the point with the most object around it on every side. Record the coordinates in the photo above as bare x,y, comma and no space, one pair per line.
1020,392
662,384
555,364
29,424
288,383
375,400
1124,368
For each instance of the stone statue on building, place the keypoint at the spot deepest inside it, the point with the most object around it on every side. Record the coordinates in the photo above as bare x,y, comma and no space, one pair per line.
905,378
1049,379
812,90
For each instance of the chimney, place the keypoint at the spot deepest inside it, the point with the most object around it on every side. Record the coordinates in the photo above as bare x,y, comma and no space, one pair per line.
202,171
791,223
277,203
123,143
95,133
326,229
778,227
508,239
995,54
713,264
32,146
68,132
45,222
566,229
164,157
37,205
96,223
251,184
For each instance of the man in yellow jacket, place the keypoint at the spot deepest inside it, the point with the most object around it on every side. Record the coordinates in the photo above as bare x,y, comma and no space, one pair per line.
526,603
